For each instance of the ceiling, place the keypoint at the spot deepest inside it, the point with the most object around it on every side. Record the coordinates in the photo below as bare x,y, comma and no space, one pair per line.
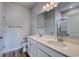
64,6
26,4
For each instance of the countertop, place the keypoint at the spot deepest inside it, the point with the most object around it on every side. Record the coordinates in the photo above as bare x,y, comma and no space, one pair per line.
70,50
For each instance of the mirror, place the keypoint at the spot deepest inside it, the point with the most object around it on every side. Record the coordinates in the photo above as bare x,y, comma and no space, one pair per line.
70,20
65,26
46,23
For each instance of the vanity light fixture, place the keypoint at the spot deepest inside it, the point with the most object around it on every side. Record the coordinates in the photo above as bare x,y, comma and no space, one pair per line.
49,6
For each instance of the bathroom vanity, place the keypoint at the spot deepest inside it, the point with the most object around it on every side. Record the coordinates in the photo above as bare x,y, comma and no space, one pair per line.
49,47
61,25
38,49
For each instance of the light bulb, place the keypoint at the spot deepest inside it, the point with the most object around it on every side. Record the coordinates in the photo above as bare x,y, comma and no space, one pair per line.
55,5
44,7
51,3
47,9
47,5
51,7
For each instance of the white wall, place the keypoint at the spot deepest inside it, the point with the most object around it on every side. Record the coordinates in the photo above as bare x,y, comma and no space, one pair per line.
1,6
36,10
18,16
15,15
1,34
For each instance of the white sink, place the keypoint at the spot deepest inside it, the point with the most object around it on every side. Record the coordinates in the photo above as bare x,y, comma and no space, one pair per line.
53,42
57,43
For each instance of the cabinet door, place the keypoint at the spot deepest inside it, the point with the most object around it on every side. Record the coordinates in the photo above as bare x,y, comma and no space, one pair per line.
42,53
49,51
32,49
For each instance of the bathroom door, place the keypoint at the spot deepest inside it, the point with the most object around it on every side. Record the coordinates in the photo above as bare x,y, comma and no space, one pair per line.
13,38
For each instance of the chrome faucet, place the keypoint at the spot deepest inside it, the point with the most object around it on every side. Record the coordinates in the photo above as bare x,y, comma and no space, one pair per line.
61,37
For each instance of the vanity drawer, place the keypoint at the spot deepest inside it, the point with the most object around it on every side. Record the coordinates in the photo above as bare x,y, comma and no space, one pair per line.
49,51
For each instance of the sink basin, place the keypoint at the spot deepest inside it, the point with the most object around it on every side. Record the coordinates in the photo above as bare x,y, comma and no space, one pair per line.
57,43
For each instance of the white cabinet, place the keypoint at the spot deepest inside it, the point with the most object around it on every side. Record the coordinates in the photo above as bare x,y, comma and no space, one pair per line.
41,53
36,49
49,52
32,48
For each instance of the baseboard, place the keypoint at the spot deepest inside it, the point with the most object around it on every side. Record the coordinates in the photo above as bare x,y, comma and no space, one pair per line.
10,50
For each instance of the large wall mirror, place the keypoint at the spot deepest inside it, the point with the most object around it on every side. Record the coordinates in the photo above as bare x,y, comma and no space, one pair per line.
69,22
67,26
46,23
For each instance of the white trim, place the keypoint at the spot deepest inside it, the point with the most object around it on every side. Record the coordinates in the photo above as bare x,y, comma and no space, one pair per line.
11,50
